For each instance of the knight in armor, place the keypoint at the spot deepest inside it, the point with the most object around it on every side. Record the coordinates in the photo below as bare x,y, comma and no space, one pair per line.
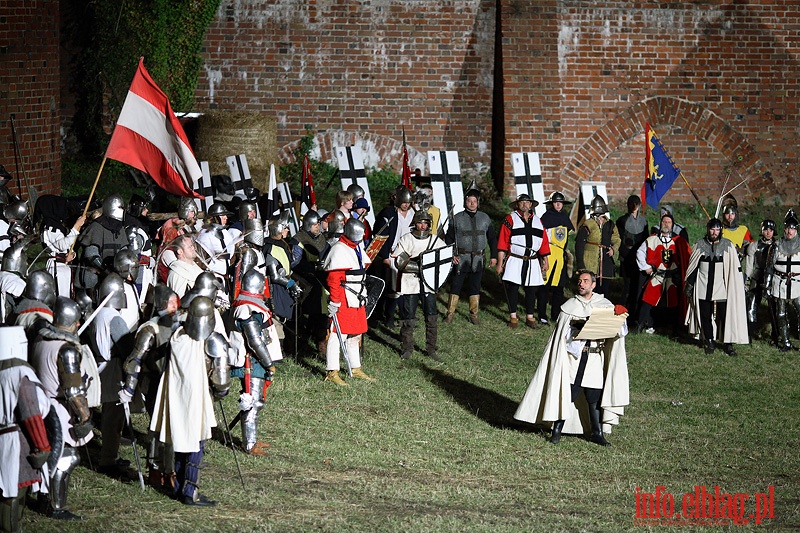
68,374
14,223
184,412
522,257
558,226
754,267
143,370
102,239
346,266
663,260
732,230
783,279
714,287
423,200
413,291
576,372
126,264
24,443
633,230
394,221
246,210
470,231
282,289
595,244
253,321
140,244
335,220
184,270
13,270
35,309
173,228
110,340
59,239
215,242
308,246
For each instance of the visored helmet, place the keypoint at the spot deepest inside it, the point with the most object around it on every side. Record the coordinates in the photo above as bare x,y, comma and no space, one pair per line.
41,287
309,219
114,207
354,230
136,240
254,231
15,259
278,224
207,285
200,318
136,205
253,282
16,211
126,263
112,285
66,312
424,198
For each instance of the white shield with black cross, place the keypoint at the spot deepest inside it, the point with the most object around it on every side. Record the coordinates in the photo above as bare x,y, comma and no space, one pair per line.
435,266
448,191
204,189
528,178
351,170
288,205
590,189
240,174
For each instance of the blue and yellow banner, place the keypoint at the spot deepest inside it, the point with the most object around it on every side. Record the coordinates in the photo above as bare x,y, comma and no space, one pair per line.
660,170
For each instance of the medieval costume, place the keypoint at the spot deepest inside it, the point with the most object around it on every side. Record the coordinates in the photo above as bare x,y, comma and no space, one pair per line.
783,279
59,240
558,226
714,280
754,267
633,230
597,241
593,373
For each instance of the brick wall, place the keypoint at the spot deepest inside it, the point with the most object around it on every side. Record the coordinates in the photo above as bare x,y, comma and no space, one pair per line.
29,90
716,79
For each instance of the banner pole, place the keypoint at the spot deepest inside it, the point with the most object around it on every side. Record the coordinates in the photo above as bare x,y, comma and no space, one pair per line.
695,196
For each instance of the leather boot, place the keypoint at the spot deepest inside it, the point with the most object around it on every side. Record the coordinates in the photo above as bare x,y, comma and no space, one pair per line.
407,339
555,436
597,428
359,374
431,333
474,305
333,377
451,308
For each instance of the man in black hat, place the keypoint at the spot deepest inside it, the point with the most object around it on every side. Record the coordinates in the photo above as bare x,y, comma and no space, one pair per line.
558,225
470,232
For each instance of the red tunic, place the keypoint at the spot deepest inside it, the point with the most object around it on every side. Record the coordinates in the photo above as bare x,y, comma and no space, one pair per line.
352,320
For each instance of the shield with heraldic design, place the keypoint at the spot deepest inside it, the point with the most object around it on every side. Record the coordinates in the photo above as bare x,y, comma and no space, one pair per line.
374,288
435,266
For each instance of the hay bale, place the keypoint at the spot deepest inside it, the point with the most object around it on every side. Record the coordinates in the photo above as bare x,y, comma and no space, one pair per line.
224,133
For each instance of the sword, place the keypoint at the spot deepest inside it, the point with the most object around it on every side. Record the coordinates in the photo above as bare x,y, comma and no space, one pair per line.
93,315
230,439
338,331
127,408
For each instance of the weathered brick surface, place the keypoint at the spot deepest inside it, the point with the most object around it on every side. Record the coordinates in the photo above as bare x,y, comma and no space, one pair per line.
29,90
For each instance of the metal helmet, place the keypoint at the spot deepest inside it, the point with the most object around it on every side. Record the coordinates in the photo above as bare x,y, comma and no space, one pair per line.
730,208
114,207
200,318
424,198
16,211
135,205
41,287
84,301
768,224
253,282
161,295
218,209
357,190
186,207
789,221
66,312
112,284
251,193
245,208
473,190
402,196
354,230
421,216
13,343
126,263
336,224
136,240
254,231
309,219
598,207
15,258
206,284
556,196
278,224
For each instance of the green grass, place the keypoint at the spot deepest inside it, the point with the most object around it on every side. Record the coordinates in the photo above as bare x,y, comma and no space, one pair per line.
434,446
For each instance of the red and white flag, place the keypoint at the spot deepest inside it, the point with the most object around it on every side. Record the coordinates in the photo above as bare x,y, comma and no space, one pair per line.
148,136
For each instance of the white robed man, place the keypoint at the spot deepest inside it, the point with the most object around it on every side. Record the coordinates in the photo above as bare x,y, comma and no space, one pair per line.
591,375
184,412
183,271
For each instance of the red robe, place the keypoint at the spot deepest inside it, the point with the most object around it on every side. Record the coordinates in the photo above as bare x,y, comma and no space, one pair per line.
340,260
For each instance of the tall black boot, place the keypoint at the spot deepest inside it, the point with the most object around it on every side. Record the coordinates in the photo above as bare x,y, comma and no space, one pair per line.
431,334
406,339
597,427
555,436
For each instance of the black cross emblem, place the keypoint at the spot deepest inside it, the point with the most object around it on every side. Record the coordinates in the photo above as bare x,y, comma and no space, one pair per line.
437,262
527,180
351,172
788,263
711,260
445,179
244,181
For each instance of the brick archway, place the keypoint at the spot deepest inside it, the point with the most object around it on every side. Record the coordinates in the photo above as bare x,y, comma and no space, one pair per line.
692,118
379,150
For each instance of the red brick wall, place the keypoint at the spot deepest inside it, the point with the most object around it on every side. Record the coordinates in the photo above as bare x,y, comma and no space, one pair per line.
29,90
716,79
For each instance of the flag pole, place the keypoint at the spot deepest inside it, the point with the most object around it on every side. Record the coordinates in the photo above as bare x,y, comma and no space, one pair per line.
695,196
89,201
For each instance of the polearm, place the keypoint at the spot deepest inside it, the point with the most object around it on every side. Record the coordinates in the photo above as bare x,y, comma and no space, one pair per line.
18,159
89,201
695,195
94,314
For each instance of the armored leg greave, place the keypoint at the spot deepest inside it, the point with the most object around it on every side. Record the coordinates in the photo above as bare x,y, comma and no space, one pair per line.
250,417
782,315
753,298
188,465
59,481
